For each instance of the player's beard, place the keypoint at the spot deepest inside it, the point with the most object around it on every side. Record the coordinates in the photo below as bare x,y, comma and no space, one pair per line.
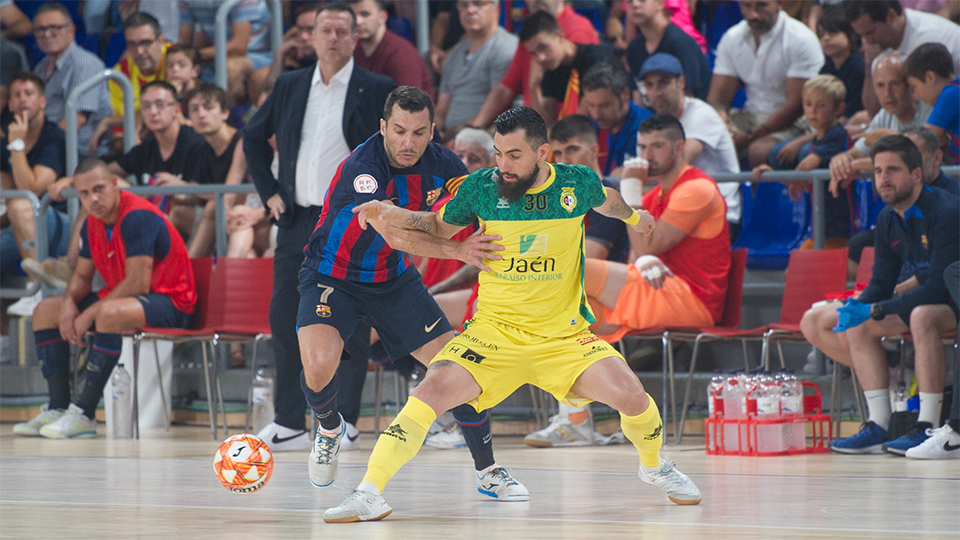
656,169
512,191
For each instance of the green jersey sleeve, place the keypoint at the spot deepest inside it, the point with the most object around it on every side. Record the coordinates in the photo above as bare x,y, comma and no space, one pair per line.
595,193
460,210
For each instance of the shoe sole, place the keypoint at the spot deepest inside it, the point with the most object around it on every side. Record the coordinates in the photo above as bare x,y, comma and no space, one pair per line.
876,449
684,502
26,432
354,519
84,435
509,498
547,444
895,451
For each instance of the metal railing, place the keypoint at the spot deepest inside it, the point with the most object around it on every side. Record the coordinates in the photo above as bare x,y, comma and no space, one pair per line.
220,36
39,242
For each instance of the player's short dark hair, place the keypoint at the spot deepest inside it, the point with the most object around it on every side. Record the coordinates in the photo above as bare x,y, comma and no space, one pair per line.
575,126
606,76
537,23
187,50
408,98
901,146
54,6
525,118
141,18
930,56
25,76
210,93
875,9
160,84
669,125
834,21
927,135
337,7
89,164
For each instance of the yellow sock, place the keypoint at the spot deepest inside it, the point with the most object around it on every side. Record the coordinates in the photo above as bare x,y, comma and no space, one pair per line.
399,442
645,431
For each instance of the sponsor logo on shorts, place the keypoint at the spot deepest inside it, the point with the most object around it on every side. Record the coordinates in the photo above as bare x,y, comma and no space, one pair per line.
479,342
396,432
365,183
323,310
467,353
594,350
567,199
432,196
656,433
587,339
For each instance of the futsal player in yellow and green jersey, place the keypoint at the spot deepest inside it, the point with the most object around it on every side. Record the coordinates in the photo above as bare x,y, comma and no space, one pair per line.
532,321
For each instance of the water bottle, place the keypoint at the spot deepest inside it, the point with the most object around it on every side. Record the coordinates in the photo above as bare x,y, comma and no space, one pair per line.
120,404
900,398
769,436
714,394
734,400
262,413
791,407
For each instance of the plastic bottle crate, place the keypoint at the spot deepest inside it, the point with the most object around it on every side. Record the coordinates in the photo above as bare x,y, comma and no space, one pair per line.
820,426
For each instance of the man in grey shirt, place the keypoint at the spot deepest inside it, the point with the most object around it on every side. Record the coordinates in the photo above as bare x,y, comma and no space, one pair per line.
64,68
475,65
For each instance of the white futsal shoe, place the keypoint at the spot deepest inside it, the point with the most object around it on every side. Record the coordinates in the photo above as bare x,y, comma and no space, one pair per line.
325,457
944,443
358,506
72,425
31,428
351,439
498,484
562,432
678,486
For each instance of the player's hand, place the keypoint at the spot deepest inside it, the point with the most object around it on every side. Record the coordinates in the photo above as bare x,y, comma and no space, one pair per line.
851,314
635,167
276,206
81,324
18,128
653,271
646,224
55,189
479,246
68,314
841,169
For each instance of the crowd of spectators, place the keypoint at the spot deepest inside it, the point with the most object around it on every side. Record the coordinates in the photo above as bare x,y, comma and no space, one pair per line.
793,85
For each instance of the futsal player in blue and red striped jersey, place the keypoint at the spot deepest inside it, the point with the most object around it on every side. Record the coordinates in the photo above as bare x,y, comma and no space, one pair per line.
352,274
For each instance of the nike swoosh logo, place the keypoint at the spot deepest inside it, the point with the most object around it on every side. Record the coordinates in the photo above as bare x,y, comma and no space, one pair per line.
278,440
894,244
354,438
430,328
950,447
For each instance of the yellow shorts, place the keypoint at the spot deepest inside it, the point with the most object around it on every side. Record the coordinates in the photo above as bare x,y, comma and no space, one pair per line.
503,358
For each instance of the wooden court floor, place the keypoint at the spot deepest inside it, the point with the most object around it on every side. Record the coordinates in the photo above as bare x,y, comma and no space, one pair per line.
163,486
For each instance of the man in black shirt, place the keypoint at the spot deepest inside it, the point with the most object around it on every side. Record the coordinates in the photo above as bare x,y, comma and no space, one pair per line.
564,63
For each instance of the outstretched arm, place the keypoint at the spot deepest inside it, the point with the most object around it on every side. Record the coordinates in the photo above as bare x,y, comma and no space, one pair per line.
615,207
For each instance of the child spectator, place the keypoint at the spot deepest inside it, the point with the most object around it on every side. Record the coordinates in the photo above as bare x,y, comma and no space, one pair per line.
929,71
841,49
183,70
823,103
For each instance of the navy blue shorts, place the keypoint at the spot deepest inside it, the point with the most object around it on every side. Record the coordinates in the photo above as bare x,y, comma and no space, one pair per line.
401,311
158,309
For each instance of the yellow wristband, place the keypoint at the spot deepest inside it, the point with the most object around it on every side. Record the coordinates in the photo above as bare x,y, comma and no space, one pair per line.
633,219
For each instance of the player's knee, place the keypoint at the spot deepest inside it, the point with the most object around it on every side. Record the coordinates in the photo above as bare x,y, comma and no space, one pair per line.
112,318
47,313
931,319
634,403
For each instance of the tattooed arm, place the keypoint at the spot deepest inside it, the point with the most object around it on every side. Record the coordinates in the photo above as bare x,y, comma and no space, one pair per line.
615,207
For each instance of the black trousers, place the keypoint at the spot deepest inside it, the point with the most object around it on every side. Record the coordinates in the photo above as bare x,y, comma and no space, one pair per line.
289,403
951,277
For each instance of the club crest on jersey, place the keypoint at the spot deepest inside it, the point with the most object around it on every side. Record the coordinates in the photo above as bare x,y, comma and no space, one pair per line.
323,310
432,196
567,199
365,183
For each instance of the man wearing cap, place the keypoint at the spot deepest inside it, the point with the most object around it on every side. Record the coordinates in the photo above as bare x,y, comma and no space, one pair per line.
709,146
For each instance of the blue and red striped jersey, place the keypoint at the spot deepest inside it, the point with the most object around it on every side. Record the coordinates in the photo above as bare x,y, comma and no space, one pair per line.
338,246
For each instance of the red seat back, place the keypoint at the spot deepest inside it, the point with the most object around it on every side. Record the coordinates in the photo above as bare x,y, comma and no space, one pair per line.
811,274
732,302
202,271
241,296
865,269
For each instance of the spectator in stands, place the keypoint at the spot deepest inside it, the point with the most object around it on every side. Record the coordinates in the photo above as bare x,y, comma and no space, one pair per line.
771,55
475,65
823,103
944,442
15,23
676,11
381,51
318,116
605,98
248,39
918,228
523,77
931,76
145,61
221,161
12,59
564,63
31,158
658,35
708,147
885,24
842,58
680,277
148,281
475,148
295,52
183,70
900,110
64,67
932,176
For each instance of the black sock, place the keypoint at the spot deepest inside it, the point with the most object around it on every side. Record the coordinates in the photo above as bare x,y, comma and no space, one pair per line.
323,403
102,358
54,355
476,431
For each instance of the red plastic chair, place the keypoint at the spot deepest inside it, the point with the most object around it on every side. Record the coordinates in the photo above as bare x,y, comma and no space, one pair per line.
865,268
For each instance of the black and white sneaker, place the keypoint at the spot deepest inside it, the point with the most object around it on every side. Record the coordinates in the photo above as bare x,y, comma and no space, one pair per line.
283,439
